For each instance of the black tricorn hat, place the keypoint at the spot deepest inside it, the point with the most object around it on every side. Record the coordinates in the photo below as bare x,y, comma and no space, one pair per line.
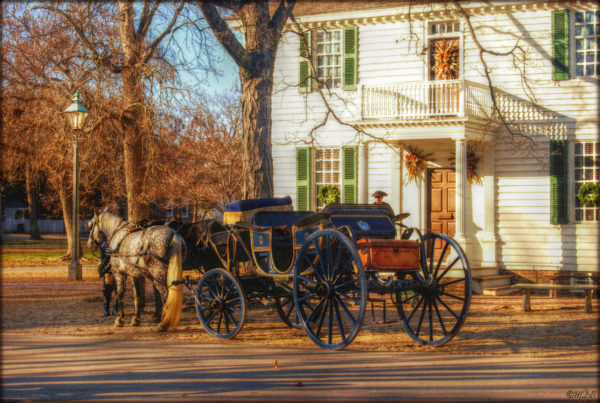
379,193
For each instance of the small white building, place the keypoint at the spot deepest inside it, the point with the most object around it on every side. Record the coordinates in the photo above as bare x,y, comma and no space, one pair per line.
396,79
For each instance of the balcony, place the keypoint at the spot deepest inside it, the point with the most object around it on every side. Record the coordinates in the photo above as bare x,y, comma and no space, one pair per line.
454,101
425,100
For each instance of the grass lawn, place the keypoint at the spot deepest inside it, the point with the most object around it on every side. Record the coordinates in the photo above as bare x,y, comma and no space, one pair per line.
17,250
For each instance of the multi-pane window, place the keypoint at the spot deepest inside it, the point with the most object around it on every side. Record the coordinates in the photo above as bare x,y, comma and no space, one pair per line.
586,34
447,27
587,170
328,169
329,57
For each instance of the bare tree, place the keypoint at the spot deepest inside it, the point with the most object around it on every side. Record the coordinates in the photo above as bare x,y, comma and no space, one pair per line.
255,59
132,44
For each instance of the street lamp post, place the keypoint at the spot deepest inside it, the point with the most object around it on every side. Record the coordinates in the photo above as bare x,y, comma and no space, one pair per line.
76,114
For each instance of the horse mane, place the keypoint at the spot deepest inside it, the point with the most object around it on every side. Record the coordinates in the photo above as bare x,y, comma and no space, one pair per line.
109,222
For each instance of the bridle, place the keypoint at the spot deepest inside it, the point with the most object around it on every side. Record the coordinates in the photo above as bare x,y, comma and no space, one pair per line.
96,245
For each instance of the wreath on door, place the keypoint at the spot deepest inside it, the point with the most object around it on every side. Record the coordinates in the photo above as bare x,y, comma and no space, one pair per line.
445,59
589,194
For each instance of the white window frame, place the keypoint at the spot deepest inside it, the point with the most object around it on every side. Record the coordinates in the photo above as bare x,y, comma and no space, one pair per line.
579,210
331,171
574,38
336,50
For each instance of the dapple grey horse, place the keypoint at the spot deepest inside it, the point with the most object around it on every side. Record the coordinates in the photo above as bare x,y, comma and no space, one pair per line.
155,253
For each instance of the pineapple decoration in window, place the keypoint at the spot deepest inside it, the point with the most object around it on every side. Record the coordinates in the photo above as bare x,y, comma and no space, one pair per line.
445,59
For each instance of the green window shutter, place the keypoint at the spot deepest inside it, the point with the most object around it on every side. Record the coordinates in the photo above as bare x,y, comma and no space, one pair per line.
349,175
304,80
559,182
349,78
303,178
560,44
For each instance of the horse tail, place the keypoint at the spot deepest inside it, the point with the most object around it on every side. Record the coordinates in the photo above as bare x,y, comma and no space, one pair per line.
171,313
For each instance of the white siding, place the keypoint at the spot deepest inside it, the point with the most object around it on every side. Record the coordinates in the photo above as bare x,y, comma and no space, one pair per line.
527,240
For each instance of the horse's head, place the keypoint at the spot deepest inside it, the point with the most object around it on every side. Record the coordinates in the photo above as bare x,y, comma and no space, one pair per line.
96,237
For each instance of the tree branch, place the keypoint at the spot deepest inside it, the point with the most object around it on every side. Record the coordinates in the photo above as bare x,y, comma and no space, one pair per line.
225,36
160,37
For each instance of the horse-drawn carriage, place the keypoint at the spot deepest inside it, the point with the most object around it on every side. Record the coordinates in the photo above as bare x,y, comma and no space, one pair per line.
321,269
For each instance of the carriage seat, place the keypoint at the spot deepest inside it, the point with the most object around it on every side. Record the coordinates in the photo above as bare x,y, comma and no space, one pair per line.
279,220
367,221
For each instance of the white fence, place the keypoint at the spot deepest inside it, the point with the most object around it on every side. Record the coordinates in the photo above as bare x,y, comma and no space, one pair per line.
45,226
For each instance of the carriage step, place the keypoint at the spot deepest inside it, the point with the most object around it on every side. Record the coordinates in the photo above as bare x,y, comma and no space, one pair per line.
481,283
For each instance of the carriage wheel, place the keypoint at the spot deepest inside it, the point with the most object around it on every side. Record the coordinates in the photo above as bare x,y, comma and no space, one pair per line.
434,311
220,303
287,309
330,289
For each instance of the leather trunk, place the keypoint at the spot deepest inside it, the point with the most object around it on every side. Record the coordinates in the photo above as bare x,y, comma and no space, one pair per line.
389,254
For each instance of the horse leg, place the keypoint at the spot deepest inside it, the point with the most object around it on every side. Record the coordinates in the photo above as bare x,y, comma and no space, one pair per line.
137,292
158,303
120,280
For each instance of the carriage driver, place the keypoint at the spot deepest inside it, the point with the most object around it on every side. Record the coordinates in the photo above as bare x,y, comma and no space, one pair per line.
108,280
379,195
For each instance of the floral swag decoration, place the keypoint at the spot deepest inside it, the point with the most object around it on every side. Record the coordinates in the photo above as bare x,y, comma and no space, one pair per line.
445,59
328,195
589,194
472,162
415,163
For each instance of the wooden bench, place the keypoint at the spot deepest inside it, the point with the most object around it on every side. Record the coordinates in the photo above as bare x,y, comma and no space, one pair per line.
556,278
526,290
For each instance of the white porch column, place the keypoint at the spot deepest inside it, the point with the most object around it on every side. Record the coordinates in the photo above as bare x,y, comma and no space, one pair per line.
363,173
461,192
489,239
396,185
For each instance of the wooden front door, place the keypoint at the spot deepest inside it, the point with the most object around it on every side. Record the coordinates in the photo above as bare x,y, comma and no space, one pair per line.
441,202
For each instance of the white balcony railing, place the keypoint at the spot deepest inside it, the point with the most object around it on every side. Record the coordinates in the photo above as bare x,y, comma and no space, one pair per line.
426,100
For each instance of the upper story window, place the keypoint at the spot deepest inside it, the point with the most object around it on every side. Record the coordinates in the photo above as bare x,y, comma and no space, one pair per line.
586,35
575,44
329,58
334,54
587,170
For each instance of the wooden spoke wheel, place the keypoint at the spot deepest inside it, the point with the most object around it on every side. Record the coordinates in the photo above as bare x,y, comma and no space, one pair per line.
287,309
330,289
434,311
220,303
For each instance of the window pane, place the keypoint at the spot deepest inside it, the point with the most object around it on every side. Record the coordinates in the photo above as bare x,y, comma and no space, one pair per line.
589,70
579,70
579,44
589,57
579,57
578,17
589,16
589,29
578,29
591,43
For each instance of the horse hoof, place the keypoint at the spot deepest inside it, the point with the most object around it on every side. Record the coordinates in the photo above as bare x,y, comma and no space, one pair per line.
118,322
135,322
162,328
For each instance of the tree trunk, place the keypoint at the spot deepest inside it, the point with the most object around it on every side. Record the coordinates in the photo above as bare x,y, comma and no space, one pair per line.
133,146
66,203
32,200
256,123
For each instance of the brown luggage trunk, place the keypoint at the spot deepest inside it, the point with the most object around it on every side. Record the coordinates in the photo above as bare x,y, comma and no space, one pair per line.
389,254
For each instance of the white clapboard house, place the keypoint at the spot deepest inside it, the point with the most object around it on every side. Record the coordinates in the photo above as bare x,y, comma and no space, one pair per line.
399,80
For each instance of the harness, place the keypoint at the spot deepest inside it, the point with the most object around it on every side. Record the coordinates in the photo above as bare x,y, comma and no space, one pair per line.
113,251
